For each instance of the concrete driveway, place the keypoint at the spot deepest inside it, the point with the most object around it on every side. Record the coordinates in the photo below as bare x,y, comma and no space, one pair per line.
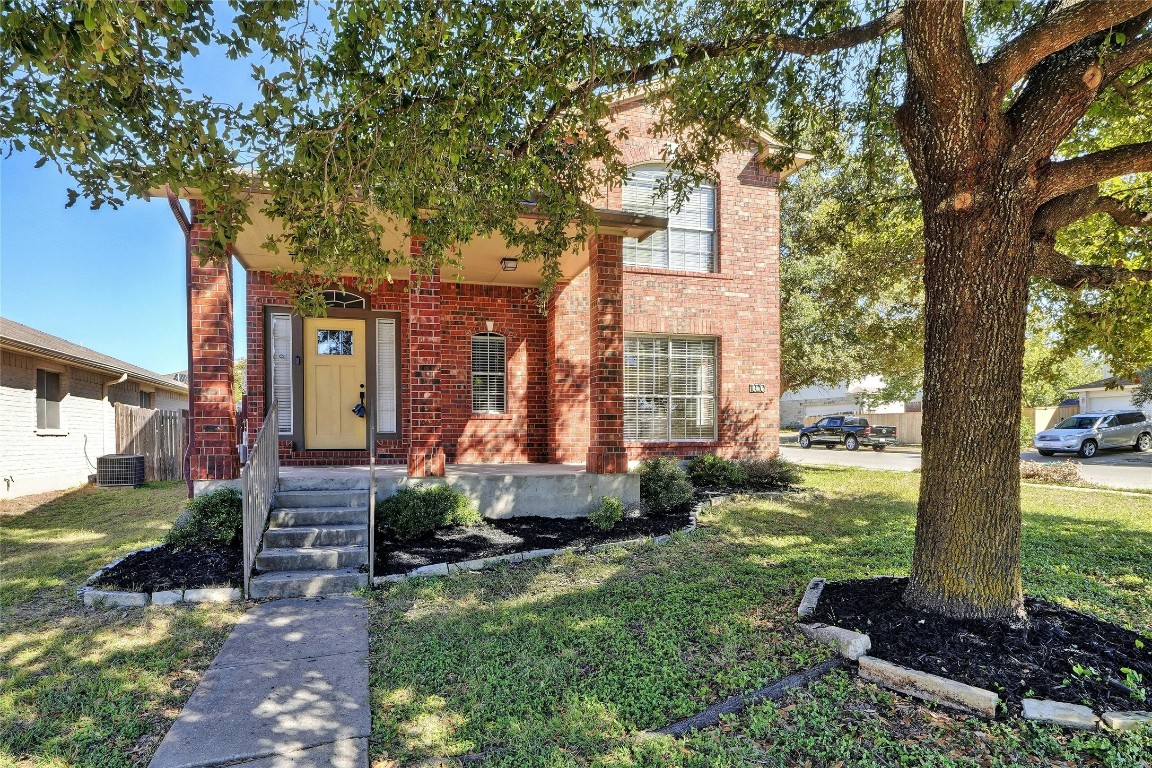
1115,468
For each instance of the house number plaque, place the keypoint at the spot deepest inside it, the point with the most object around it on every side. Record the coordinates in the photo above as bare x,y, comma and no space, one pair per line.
756,388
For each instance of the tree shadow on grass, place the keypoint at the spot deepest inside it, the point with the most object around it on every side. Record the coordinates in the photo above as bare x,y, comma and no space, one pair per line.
572,654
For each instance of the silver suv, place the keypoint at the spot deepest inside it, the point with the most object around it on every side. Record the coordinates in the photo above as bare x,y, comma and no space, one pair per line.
1085,433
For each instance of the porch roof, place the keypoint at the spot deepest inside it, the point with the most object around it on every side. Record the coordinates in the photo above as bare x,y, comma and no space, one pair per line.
480,257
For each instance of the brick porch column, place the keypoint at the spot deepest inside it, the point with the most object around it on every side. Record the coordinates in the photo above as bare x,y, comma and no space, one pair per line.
425,451
606,453
213,409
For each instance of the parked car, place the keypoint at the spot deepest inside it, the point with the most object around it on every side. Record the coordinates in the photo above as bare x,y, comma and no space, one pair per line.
849,431
1086,433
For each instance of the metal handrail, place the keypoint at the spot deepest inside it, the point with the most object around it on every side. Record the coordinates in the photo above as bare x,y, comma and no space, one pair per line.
259,479
371,497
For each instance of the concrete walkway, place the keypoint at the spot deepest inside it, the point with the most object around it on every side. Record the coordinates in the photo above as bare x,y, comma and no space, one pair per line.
288,690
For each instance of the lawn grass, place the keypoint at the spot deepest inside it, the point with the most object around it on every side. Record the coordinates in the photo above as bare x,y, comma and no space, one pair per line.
92,687
561,663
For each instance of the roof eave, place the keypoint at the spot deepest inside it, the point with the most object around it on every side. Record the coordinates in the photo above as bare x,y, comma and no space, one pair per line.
173,386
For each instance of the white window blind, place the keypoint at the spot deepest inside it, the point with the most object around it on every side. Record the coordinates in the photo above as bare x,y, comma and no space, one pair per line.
281,356
385,375
669,388
488,368
689,242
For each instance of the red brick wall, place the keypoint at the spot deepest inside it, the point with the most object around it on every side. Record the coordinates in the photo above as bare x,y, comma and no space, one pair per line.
606,373
739,304
210,397
568,318
520,434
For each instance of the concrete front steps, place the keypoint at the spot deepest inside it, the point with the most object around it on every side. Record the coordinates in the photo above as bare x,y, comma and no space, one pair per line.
316,542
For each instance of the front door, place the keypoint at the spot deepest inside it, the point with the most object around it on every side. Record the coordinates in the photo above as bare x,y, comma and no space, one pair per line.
334,359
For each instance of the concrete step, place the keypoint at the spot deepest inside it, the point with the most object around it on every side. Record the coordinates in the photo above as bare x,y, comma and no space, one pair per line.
316,536
313,498
345,481
285,584
311,558
306,516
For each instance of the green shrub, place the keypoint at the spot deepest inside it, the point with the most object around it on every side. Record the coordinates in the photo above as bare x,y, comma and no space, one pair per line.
1027,433
610,512
712,471
417,511
768,474
664,487
212,519
1062,473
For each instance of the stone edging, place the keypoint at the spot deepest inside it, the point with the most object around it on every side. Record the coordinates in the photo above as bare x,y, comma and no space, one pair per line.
93,597
485,563
854,646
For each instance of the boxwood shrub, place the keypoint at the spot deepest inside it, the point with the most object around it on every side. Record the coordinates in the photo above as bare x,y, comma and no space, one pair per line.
664,487
210,520
416,511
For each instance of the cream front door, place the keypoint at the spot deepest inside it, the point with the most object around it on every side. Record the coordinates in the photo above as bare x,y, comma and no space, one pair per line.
334,360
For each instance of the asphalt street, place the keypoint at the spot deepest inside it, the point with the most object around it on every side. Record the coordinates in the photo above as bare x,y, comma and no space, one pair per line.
1113,468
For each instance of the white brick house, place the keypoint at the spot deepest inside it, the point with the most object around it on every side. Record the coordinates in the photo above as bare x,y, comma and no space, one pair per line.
56,408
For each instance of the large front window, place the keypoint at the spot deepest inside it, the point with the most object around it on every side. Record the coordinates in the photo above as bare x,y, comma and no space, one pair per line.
689,242
669,388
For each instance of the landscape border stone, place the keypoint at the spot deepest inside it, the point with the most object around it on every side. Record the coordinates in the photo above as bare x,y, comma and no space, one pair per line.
486,563
949,692
92,597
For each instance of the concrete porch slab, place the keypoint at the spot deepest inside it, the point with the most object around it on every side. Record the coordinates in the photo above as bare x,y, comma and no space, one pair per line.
498,490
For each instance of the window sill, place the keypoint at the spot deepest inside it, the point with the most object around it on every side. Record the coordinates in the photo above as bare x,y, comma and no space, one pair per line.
493,416
671,441
52,433
675,273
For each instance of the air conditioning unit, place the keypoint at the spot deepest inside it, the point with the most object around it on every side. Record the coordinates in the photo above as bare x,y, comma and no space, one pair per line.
120,470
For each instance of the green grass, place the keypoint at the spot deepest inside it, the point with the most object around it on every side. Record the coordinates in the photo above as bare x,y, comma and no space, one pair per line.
562,663
92,687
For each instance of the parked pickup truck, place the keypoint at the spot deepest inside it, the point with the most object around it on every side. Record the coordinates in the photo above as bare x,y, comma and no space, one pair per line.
849,431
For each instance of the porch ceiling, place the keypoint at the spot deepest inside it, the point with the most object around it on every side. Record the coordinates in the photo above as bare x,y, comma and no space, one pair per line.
480,257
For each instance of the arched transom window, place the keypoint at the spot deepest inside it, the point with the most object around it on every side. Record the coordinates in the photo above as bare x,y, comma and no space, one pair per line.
344,300
689,243
489,356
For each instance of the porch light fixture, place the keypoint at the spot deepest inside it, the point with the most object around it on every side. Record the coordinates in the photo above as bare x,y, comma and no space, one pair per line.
509,264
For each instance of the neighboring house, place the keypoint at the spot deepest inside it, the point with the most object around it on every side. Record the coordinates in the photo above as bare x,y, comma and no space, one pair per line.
799,404
661,339
56,407
1112,393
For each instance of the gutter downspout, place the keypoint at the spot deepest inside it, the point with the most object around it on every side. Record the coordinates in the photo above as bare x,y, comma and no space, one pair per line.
186,228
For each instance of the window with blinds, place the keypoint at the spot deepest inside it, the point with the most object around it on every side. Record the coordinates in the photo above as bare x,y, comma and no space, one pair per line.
488,371
280,356
689,243
47,399
386,375
669,388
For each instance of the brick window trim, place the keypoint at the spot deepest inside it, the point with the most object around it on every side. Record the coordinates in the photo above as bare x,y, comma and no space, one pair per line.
649,445
676,273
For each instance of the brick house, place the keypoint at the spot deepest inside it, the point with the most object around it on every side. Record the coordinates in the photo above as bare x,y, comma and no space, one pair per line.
662,339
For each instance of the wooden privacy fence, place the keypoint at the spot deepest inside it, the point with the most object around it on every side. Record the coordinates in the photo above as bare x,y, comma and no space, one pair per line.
159,436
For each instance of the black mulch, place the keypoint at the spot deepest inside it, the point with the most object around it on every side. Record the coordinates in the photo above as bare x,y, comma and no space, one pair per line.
517,534
1029,660
166,568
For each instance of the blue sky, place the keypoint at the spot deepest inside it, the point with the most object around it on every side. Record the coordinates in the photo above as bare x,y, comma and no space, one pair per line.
110,280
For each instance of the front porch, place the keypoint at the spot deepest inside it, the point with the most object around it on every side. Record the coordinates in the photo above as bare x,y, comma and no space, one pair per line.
498,490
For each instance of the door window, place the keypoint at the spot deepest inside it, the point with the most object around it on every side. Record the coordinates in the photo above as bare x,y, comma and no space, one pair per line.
333,342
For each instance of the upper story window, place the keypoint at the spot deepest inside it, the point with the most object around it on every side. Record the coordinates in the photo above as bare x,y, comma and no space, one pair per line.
489,356
47,399
689,243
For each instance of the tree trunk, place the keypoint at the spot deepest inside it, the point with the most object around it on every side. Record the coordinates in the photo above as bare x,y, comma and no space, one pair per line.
967,557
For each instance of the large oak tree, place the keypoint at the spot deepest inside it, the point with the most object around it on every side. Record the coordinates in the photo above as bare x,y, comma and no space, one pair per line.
448,116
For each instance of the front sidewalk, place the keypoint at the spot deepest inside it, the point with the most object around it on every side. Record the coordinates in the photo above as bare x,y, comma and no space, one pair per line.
288,690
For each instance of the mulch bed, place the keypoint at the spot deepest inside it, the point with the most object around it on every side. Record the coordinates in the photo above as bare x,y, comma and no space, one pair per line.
517,534
165,568
1029,660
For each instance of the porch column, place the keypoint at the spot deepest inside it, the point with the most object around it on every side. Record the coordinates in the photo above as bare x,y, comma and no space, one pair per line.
425,452
606,453
213,429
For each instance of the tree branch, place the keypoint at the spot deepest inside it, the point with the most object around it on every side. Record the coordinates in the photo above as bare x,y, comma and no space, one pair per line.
1080,172
1064,27
1066,273
941,67
1121,213
699,51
